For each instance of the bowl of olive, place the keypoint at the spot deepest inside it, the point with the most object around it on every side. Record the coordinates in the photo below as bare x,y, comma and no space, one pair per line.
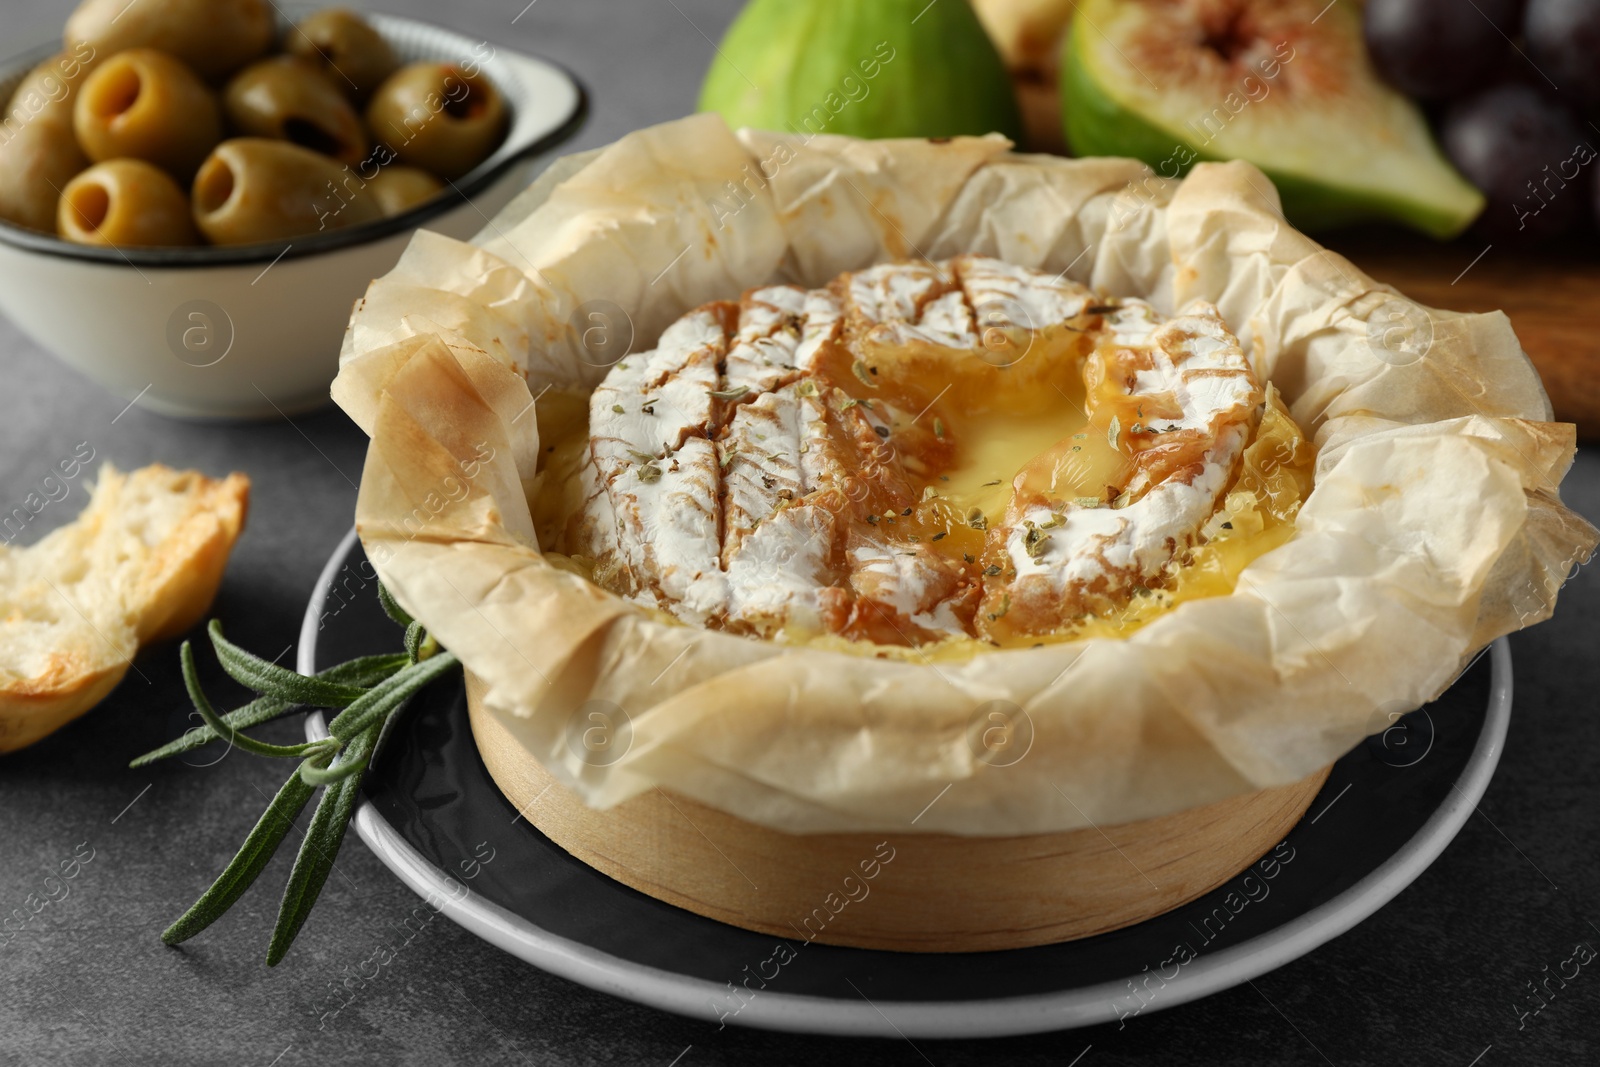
193,193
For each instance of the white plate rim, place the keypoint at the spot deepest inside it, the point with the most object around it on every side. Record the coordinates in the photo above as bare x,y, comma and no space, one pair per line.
843,1017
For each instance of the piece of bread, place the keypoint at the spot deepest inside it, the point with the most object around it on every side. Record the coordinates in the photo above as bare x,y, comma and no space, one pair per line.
141,564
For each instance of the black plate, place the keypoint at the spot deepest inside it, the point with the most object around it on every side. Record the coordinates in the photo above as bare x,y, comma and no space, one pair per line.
1388,809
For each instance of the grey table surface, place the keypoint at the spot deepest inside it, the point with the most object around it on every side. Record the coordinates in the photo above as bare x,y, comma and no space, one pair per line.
1439,976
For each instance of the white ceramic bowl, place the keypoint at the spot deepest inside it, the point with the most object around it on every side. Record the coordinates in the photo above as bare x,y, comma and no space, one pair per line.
254,331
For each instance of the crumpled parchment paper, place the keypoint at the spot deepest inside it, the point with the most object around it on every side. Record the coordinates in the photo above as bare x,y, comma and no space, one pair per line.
1435,524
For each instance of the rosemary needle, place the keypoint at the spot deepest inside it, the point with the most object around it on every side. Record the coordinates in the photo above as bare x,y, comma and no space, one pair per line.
371,691
392,608
255,672
191,681
364,672
414,636
321,770
317,851
251,860
378,702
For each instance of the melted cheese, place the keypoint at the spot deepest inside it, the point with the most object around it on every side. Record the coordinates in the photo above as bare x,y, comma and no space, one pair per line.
940,456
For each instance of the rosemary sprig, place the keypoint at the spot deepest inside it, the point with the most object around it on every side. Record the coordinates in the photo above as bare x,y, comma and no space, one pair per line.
371,690
250,861
364,672
256,673
392,608
312,865
208,714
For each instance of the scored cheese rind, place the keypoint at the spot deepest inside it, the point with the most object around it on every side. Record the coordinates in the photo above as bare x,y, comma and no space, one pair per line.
781,571
822,321
1093,557
1072,558
761,469
653,462
907,594
775,549
758,470
670,528
762,354
1007,296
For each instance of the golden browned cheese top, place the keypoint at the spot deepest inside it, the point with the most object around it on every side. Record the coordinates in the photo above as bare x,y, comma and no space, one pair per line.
918,452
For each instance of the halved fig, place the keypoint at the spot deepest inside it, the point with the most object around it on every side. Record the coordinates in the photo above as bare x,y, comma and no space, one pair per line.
1284,84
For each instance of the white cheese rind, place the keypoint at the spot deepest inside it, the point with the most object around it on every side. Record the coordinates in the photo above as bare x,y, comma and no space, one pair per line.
908,579
1099,544
726,471
1069,558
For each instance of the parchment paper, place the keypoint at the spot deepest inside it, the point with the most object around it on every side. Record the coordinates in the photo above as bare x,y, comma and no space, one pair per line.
1435,524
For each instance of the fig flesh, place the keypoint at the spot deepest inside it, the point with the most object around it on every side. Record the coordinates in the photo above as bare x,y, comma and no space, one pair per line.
1284,84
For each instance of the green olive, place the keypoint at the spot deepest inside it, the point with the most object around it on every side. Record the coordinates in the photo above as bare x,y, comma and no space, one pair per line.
125,203
438,117
252,189
354,56
214,37
143,104
38,152
399,189
287,99
37,160
49,89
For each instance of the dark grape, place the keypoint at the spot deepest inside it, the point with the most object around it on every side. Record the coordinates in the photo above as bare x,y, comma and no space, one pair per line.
1594,186
1564,43
1527,154
1436,49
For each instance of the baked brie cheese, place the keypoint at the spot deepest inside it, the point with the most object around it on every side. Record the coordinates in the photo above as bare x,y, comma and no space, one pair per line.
917,453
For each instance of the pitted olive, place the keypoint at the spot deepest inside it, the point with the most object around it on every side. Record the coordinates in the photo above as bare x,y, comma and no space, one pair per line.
353,55
398,189
438,117
252,189
144,104
39,153
35,165
290,100
47,91
125,203
214,37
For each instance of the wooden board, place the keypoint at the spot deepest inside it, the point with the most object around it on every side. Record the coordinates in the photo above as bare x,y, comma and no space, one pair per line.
1552,298
898,890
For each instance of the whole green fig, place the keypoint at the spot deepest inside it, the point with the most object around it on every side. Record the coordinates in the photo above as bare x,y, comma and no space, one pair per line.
866,68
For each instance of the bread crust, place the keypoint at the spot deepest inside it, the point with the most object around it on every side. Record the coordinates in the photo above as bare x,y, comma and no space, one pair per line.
141,564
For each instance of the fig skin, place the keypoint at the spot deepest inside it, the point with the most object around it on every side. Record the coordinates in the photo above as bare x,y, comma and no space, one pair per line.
353,55
288,99
438,116
144,104
39,153
125,203
214,37
884,68
1274,86
251,190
